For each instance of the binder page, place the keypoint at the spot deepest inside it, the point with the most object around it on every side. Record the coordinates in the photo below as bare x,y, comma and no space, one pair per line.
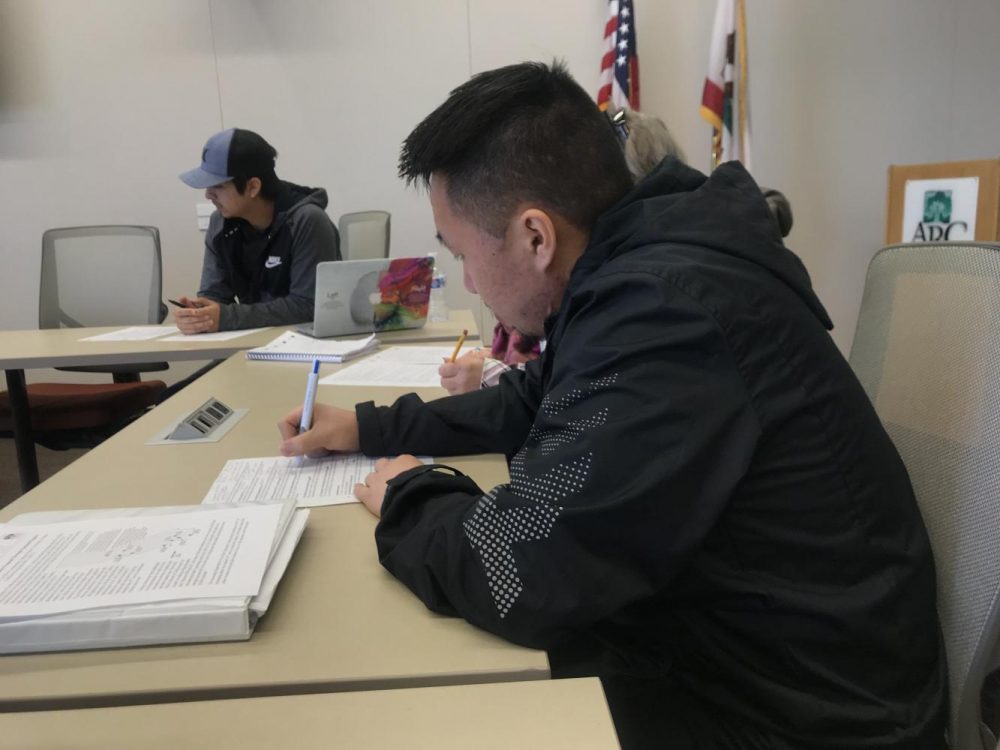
311,483
103,562
413,366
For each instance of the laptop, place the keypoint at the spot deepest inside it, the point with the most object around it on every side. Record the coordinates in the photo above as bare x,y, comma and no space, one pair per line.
362,296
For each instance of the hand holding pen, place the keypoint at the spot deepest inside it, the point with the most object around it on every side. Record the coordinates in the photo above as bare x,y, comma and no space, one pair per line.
196,314
308,403
462,374
458,345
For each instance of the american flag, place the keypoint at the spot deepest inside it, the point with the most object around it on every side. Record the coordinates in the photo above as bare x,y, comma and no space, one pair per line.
620,64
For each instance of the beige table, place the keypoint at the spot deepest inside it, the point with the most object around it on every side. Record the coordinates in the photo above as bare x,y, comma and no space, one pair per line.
62,347
338,621
553,714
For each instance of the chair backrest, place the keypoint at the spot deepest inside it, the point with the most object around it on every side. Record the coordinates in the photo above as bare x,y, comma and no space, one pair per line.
364,235
100,276
927,350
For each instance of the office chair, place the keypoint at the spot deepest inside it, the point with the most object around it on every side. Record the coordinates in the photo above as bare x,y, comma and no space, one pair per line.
927,351
365,234
102,276
95,276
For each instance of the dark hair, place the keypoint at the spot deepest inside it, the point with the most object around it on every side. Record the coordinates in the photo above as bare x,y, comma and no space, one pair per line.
252,156
522,133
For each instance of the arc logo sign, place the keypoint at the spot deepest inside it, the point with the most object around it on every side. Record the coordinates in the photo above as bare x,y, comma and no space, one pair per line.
940,210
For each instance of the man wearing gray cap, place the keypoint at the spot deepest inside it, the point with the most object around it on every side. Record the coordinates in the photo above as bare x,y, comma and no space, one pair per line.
263,241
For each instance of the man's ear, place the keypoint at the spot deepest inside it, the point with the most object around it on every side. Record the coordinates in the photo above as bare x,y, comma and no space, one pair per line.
253,187
537,233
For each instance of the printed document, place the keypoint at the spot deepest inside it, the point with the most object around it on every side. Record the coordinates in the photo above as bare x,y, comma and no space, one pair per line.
62,567
198,338
134,333
313,482
409,366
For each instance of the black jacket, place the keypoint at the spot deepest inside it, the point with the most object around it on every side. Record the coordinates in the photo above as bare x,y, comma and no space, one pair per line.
700,490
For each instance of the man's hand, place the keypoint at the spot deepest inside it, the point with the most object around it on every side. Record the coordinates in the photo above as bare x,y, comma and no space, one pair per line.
372,492
201,315
464,374
332,429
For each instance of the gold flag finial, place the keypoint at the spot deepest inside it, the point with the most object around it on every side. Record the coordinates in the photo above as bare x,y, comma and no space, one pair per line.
716,147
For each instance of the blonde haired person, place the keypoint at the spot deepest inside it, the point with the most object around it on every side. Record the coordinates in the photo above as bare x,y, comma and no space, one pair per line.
647,141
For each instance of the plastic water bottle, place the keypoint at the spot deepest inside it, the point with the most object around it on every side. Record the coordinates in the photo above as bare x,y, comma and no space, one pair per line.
438,307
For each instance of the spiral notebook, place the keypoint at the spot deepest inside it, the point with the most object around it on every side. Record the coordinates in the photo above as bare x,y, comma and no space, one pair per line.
294,347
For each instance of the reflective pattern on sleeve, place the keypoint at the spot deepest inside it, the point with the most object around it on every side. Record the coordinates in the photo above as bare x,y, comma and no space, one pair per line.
493,530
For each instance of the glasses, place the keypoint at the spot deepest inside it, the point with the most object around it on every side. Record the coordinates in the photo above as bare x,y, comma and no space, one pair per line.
617,121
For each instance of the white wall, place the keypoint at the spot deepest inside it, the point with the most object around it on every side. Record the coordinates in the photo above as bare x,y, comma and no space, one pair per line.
839,90
101,105
104,102
336,87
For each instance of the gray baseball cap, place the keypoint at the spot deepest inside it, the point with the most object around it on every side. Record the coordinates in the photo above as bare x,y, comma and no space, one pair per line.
214,169
230,154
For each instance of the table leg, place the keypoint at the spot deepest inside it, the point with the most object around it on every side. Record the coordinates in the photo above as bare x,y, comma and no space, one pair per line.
24,441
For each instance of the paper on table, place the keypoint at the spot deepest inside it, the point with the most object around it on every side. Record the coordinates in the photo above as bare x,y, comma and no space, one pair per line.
62,567
134,333
217,336
316,481
397,365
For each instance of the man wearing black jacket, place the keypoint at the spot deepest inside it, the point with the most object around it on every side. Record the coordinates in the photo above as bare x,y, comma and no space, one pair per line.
704,509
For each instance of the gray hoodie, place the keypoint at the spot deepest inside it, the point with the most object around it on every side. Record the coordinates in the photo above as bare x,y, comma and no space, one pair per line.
268,278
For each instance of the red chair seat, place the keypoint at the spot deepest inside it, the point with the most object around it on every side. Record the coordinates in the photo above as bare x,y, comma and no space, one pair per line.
75,406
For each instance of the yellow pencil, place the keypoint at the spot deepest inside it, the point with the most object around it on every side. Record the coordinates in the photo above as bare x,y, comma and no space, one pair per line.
458,346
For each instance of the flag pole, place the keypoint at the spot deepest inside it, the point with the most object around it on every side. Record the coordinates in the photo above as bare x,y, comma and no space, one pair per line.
742,90
717,93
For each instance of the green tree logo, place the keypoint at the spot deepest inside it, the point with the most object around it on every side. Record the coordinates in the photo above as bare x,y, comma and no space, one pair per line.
937,206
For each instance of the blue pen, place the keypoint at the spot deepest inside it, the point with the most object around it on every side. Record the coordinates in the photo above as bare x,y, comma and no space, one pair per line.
307,405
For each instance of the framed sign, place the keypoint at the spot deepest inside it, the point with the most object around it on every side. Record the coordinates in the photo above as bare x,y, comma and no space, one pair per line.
947,202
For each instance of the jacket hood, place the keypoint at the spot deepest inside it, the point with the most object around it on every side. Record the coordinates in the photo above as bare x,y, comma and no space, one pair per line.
724,212
292,197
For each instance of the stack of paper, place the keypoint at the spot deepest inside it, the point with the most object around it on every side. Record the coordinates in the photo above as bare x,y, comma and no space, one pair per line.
74,580
295,347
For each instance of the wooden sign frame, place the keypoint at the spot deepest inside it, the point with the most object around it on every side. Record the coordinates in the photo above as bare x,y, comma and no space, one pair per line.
987,204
